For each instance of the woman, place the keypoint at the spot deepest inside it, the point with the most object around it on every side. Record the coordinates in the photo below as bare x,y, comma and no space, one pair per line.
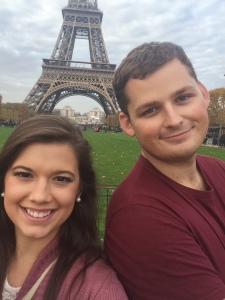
49,244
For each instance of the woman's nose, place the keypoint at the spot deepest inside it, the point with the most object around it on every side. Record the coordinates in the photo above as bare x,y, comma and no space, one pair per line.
40,192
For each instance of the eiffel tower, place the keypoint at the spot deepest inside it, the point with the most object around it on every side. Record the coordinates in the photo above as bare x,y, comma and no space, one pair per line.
61,77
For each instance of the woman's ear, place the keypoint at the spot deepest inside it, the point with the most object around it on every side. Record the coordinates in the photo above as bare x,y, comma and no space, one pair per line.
126,125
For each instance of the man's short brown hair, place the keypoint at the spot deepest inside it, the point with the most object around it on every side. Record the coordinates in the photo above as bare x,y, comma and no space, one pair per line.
144,60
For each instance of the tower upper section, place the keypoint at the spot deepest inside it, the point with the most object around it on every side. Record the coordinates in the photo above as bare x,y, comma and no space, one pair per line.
83,4
81,20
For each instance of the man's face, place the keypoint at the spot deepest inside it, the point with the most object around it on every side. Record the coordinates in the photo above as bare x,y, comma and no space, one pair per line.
167,113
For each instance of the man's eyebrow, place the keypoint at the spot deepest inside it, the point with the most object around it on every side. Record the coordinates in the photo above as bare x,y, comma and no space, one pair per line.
182,90
147,105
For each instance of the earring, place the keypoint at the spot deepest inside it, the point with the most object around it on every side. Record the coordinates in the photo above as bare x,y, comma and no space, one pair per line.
78,199
2,194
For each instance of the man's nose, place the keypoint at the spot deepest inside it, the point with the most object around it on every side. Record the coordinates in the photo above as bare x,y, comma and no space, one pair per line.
172,117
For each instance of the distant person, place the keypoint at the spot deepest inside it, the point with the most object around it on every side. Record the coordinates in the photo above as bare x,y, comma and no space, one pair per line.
165,225
209,139
205,140
49,244
222,141
215,140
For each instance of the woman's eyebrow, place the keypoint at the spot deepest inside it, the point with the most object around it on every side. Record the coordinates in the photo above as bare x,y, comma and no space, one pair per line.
21,167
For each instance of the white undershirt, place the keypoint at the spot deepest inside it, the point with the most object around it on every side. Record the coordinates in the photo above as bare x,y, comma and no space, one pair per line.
9,292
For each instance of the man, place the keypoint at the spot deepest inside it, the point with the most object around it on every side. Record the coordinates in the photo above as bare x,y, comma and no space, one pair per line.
165,225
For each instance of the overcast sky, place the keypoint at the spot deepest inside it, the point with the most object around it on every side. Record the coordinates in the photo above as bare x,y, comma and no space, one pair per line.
29,30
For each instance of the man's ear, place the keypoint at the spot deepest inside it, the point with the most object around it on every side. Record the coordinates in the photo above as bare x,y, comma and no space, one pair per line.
126,125
205,93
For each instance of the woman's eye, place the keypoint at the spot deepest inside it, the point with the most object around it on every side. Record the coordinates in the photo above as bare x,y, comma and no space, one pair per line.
22,174
63,179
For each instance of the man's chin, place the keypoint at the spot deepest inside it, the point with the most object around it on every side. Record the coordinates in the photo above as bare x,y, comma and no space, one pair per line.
178,156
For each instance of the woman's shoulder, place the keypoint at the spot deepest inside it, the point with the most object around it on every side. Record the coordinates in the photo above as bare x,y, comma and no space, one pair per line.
100,269
100,282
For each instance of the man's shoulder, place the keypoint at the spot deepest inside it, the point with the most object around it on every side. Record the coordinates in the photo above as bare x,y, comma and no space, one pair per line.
141,185
213,170
141,171
206,160
134,175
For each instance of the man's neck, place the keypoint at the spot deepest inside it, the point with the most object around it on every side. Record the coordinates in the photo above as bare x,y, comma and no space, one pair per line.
185,172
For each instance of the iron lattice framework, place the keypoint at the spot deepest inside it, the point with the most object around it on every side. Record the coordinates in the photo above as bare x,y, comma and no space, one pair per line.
61,77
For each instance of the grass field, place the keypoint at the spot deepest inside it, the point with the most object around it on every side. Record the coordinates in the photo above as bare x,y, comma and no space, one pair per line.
4,133
114,155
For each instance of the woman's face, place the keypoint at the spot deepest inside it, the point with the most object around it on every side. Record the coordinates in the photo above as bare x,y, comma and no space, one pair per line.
40,190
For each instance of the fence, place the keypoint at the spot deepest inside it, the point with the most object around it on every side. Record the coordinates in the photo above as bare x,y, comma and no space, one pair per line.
105,192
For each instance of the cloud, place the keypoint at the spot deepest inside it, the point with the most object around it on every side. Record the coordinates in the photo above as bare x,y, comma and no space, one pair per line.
29,30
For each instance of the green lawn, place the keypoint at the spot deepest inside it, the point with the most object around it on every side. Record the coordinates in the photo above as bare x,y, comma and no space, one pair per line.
4,133
114,154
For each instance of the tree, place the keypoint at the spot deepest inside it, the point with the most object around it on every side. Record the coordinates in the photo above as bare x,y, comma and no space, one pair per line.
217,107
112,120
16,112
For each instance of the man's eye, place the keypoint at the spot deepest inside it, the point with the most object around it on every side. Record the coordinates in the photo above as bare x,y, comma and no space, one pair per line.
151,110
63,179
22,174
182,98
